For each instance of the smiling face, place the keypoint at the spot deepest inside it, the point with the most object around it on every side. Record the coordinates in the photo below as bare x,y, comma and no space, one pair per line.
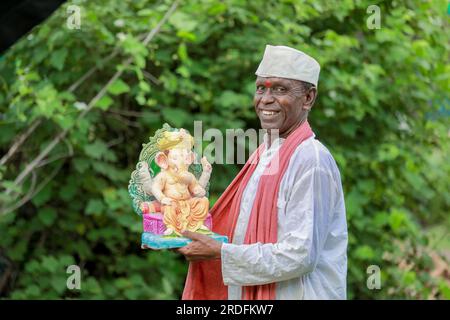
282,104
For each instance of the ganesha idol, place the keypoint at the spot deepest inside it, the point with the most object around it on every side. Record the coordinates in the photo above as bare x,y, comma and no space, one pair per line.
169,189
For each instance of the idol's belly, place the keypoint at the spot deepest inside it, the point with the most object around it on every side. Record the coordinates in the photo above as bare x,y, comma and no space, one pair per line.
178,194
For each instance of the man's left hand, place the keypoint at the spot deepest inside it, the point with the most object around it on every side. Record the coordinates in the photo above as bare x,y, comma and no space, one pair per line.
202,247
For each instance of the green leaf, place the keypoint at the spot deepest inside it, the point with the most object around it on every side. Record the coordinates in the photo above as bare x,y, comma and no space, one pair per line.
397,219
444,287
182,52
59,283
64,121
68,190
145,12
50,263
144,86
364,253
177,117
183,21
118,87
141,100
217,8
33,291
95,207
47,216
81,164
43,196
96,150
58,58
104,102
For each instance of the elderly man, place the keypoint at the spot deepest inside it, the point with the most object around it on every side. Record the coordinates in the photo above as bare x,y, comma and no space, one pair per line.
284,212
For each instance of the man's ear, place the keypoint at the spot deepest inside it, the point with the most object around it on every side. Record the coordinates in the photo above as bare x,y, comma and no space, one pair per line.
310,98
161,160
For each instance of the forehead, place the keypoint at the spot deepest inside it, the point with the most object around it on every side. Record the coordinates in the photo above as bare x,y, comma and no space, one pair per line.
175,151
273,80
178,151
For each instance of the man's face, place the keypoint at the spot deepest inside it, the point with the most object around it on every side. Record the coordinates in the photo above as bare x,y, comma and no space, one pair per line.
279,103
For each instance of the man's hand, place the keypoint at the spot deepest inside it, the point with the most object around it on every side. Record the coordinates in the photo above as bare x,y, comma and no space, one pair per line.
202,247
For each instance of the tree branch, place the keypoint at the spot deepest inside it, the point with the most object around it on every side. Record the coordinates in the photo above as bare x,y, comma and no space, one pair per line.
25,199
57,157
18,142
151,77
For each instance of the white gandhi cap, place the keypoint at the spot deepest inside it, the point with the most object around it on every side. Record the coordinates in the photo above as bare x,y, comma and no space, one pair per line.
289,63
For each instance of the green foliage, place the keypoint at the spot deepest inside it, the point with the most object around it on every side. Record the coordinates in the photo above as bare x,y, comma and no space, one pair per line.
377,91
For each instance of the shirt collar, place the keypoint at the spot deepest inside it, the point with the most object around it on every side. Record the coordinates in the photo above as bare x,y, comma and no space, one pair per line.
278,141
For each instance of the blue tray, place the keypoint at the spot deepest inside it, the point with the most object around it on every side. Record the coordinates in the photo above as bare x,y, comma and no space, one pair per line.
156,242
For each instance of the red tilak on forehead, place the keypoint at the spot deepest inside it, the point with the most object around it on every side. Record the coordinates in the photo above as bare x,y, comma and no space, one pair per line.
267,83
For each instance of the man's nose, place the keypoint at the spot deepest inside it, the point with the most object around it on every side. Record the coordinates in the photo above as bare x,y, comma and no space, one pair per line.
267,97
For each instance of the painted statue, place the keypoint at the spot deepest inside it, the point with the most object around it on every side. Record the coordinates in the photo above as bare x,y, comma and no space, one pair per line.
182,197
169,189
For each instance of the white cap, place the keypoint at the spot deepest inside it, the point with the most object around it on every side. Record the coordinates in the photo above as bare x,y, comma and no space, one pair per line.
289,63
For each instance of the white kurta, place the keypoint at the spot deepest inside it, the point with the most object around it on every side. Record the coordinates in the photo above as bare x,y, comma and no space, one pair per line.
309,260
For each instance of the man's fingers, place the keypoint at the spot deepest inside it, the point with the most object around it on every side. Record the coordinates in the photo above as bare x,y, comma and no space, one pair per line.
185,250
192,235
181,250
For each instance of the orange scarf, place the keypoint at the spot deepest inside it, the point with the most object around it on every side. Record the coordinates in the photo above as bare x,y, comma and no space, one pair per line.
204,280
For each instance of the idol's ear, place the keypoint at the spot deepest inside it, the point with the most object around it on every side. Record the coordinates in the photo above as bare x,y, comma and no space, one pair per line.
161,160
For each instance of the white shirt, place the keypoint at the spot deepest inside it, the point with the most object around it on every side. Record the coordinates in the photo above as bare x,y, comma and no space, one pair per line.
309,260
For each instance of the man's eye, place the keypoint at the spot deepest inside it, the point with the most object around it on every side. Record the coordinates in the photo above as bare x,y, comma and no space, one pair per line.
279,89
260,88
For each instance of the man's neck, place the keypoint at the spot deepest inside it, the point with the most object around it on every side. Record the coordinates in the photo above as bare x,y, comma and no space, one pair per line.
272,136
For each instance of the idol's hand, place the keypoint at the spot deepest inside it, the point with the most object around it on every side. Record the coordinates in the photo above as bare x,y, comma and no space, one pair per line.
199,192
206,166
202,247
166,201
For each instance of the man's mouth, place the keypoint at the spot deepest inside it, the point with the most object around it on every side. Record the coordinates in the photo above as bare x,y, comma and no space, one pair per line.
269,113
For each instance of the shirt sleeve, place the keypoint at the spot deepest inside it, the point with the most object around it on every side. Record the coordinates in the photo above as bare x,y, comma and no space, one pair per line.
309,212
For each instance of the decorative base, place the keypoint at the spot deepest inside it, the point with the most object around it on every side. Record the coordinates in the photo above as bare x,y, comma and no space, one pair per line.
156,242
153,223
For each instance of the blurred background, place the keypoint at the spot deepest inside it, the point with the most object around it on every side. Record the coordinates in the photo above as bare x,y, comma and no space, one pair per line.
85,88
